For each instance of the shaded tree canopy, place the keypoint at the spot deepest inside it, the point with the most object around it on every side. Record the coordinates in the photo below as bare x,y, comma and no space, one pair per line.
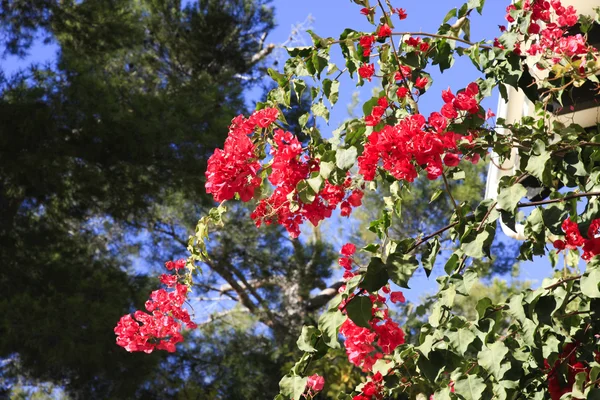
91,149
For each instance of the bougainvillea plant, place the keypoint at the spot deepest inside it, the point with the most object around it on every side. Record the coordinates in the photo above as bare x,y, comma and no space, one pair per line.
551,346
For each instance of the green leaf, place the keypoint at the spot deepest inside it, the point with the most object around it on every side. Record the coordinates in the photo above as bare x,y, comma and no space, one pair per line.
536,165
515,308
315,183
400,268
591,279
376,276
345,158
329,324
292,386
320,110
307,339
435,195
277,77
509,197
331,90
492,358
579,386
477,245
461,339
360,311
451,14
550,345
482,305
476,4
470,277
471,387
383,366
429,255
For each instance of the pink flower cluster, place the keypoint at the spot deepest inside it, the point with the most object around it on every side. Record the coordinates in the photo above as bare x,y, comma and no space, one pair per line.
234,169
573,238
289,166
160,329
549,22
418,142
314,384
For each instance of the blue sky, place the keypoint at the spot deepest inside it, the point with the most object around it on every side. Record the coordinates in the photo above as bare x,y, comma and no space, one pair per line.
330,18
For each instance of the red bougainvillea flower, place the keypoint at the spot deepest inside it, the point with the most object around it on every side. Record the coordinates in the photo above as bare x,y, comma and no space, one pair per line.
401,13
175,265
366,42
366,71
421,82
348,250
234,169
396,297
315,383
572,235
160,328
384,31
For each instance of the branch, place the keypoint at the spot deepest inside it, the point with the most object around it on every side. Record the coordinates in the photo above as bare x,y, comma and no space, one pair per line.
255,283
426,238
324,296
557,284
573,196
433,35
220,315
262,54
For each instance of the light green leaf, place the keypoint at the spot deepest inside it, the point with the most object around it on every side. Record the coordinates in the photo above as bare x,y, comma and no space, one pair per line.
320,110
471,387
331,90
307,339
461,339
509,197
292,386
345,158
383,366
329,324
590,280
470,278
491,357
578,390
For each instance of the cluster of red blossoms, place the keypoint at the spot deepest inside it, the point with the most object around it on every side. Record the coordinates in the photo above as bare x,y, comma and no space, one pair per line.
160,329
372,389
568,358
234,169
417,142
365,346
549,22
573,238
289,166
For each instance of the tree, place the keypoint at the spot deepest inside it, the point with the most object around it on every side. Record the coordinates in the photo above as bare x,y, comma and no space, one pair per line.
94,149
535,344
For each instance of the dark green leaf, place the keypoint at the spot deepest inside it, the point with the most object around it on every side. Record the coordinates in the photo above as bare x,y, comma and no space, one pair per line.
360,311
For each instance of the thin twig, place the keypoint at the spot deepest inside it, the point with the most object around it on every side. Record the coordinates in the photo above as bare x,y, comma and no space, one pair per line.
557,284
426,238
450,194
572,196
